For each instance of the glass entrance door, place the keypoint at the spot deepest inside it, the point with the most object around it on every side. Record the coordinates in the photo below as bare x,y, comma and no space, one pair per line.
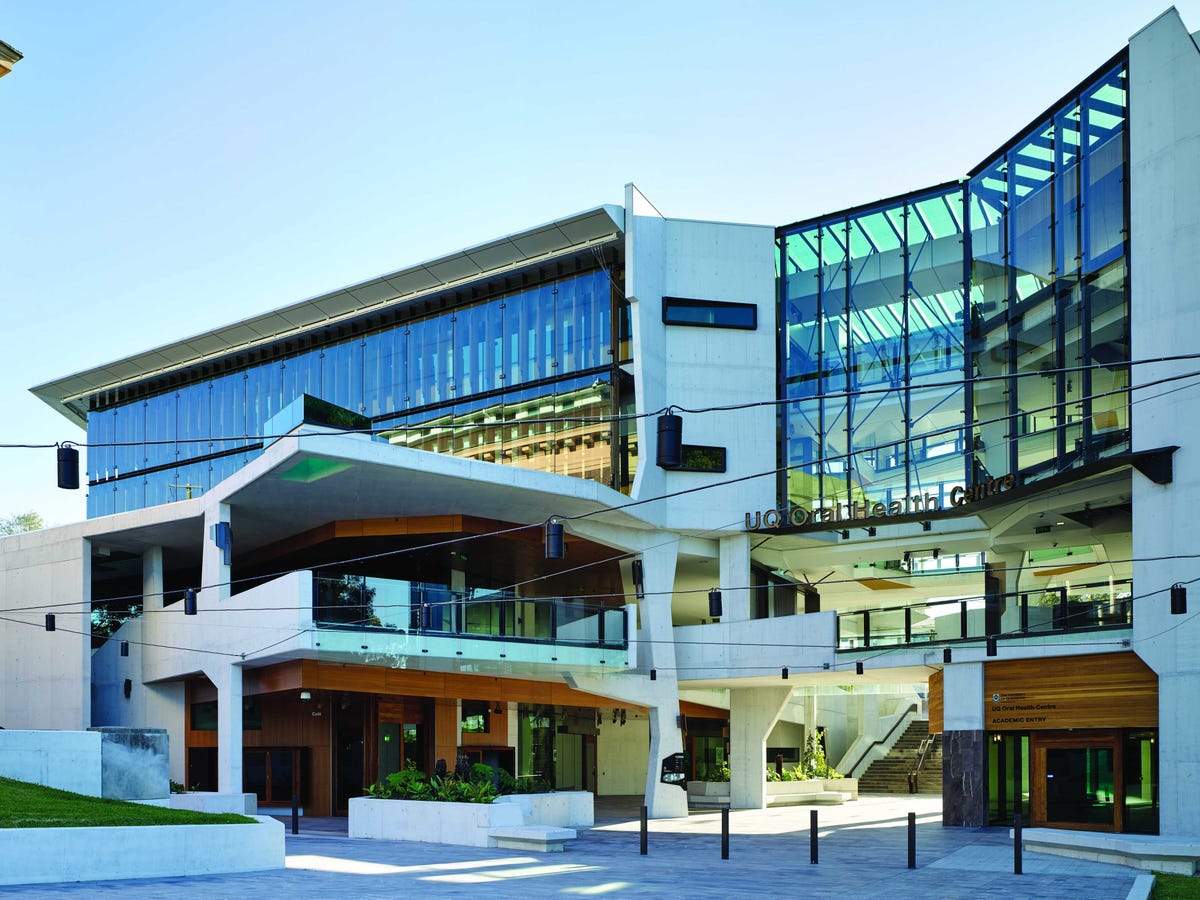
1077,782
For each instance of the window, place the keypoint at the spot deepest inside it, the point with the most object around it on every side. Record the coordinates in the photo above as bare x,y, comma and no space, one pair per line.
475,717
709,313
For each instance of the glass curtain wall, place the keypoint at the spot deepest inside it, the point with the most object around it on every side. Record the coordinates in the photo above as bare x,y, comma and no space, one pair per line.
524,379
967,332
872,355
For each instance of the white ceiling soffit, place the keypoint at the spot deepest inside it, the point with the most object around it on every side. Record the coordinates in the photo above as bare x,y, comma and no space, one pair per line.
595,226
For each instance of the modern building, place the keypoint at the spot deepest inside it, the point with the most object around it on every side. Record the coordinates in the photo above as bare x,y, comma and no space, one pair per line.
928,457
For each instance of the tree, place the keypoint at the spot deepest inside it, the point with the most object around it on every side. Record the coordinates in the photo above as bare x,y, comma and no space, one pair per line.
19,523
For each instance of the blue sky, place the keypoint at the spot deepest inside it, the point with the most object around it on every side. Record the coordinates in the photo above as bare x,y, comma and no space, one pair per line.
167,167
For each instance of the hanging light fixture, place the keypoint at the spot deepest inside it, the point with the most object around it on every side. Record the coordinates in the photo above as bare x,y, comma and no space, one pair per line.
714,603
1178,600
189,602
68,467
784,673
124,648
858,667
50,621
670,440
555,544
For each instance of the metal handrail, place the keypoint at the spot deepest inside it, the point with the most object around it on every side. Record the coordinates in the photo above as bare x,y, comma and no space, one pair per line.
912,707
922,754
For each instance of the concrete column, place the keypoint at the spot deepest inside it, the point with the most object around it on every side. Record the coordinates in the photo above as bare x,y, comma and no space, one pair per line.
215,573
657,645
735,578
152,578
808,711
753,712
964,747
227,678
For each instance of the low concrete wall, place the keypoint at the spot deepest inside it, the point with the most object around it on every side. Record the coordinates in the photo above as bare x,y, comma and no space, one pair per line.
51,855
466,824
212,802
430,822
67,760
567,809
118,763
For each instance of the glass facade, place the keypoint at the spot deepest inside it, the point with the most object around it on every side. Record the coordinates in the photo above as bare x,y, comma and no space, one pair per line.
964,333
527,378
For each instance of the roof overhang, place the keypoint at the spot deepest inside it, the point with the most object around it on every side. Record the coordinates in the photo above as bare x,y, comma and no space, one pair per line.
593,227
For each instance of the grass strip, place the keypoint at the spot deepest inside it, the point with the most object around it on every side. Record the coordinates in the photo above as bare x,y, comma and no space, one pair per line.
1175,887
24,805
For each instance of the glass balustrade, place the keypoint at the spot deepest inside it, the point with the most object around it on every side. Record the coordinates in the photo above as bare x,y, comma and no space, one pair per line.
1054,610
362,602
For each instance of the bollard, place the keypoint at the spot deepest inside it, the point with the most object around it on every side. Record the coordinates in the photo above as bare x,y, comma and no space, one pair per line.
724,832
295,814
912,840
644,816
1017,844
812,836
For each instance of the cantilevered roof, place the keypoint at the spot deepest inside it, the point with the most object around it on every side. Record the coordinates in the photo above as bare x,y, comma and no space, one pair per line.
69,395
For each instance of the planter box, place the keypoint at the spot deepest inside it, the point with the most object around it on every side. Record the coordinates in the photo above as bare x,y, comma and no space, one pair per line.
845,785
212,802
567,809
708,793
466,824
52,855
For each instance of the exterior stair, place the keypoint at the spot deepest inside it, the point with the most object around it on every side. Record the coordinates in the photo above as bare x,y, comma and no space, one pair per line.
889,775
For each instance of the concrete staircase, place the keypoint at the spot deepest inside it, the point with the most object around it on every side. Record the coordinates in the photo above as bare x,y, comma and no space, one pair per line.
890,774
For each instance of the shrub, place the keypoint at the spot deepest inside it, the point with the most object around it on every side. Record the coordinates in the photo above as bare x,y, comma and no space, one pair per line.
478,784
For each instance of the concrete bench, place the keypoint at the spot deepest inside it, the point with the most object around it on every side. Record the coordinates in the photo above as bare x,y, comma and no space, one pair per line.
802,797
542,838
1177,856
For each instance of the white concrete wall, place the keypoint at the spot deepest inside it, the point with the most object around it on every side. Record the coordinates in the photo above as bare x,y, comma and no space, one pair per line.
1164,144
67,760
159,705
757,647
45,676
702,367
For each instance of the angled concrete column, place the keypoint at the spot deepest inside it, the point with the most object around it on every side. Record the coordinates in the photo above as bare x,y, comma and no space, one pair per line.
227,677
216,570
753,712
657,642
735,578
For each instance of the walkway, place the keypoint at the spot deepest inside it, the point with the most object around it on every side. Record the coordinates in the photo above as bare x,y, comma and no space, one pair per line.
863,853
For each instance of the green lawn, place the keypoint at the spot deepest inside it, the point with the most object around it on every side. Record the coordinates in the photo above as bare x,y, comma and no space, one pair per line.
1175,887
24,805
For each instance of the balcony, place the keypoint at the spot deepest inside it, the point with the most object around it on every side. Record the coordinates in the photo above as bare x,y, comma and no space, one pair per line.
1059,610
392,606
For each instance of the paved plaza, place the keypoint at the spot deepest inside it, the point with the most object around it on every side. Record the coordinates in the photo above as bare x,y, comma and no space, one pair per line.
863,853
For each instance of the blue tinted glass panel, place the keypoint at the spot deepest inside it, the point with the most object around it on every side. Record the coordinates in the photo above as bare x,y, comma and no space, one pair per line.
709,313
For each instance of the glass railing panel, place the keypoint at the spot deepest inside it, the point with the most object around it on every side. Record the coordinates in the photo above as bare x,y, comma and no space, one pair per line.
851,630
397,605
887,627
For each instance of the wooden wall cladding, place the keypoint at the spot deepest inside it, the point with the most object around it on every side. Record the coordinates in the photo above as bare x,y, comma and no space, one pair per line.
1102,690
937,703
413,683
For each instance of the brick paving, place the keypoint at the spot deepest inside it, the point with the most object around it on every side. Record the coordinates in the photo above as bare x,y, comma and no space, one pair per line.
862,850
